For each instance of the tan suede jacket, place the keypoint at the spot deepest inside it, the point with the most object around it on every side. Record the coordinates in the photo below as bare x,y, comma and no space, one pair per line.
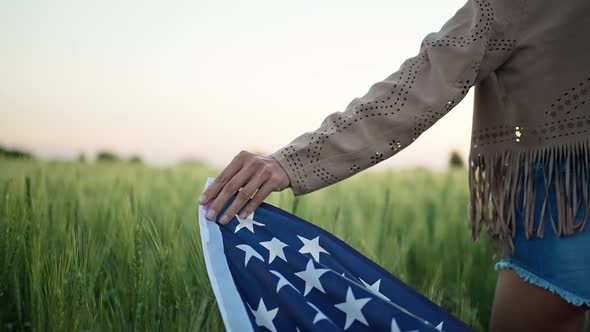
530,64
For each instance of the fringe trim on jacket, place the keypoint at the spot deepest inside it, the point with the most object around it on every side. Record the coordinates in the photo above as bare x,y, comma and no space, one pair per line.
495,187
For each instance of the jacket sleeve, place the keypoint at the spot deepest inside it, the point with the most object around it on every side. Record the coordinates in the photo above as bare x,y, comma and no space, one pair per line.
396,111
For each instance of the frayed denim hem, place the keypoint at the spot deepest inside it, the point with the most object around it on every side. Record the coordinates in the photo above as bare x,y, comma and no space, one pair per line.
539,281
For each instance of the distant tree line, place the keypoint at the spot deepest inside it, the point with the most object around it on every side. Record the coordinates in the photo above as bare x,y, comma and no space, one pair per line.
101,156
15,153
108,156
455,159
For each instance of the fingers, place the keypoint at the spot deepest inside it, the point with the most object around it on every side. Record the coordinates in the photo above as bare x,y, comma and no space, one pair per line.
223,178
232,186
266,189
258,175
242,197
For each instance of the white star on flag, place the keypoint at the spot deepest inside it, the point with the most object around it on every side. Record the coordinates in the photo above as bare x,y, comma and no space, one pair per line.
439,326
352,308
275,249
312,247
247,223
282,281
249,253
374,288
319,315
394,326
311,276
264,316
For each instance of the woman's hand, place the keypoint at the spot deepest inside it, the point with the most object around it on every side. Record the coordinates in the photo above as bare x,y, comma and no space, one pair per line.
257,175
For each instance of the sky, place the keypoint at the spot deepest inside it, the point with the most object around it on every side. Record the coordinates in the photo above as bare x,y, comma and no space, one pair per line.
174,80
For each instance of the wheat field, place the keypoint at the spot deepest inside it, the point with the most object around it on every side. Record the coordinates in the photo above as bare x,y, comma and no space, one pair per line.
116,246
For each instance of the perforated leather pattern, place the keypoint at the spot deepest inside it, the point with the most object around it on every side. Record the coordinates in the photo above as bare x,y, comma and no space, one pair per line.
306,162
564,117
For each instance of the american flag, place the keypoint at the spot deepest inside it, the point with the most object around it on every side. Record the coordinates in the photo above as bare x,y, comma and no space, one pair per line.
274,271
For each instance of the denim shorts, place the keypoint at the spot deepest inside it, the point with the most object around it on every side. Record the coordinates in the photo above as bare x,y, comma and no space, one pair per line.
559,264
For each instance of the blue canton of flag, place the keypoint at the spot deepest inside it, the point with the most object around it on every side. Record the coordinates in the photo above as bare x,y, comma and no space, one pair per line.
273,271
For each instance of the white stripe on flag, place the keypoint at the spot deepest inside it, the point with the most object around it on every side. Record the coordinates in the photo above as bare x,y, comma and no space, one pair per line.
230,303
